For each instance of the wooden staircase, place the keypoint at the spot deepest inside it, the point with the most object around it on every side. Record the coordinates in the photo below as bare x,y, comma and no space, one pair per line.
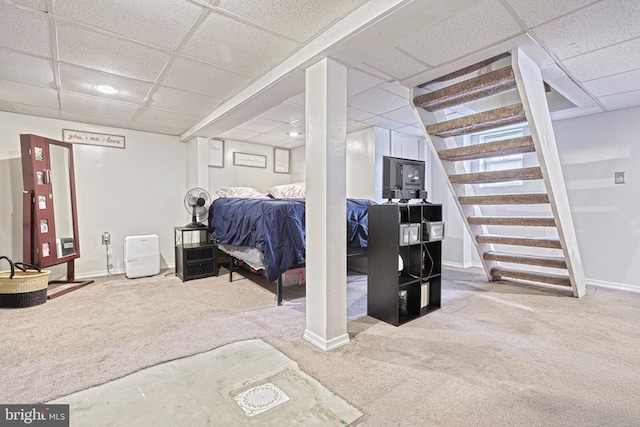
534,248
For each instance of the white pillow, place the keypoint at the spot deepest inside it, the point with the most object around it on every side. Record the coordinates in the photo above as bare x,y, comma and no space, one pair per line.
241,192
297,190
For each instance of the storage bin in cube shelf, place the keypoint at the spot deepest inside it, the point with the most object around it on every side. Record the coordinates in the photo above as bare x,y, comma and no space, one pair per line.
141,255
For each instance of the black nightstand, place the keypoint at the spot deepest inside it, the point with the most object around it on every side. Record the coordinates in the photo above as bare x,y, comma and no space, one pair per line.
195,255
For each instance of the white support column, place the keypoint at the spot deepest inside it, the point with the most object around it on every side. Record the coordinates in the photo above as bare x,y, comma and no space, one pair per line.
198,163
326,133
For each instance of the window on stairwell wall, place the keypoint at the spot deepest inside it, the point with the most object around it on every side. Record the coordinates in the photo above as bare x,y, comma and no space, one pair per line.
515,161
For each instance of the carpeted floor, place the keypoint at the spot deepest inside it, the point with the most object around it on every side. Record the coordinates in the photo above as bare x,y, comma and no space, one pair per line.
495,354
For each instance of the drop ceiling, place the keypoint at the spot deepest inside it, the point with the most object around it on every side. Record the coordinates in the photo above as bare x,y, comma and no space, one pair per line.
193,67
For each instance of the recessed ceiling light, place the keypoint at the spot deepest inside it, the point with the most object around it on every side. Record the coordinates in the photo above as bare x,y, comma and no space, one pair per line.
109,90
293,133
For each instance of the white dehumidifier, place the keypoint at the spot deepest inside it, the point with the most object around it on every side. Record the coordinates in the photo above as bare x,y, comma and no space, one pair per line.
141,255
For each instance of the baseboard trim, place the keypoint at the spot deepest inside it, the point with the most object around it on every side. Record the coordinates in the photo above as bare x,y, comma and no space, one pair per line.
613,285
113,271
324,344
461,265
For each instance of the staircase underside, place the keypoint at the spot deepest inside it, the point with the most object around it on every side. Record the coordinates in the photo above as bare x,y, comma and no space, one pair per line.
542,245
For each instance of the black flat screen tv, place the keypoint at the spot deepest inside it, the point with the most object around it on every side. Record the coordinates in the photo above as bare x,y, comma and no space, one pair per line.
403,178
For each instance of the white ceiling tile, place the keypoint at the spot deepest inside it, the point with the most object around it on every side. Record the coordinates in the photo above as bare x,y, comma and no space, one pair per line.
238,134
156,128
96,120
260,124
24,30
162,23
32,110
265,138
284,130
472,29
203,78
357,126
410,130
358,115
82,104
285,112
23,68
166,98
359,81
396,63
621,100
403,115
376,101
373,71
610,85
615,59
598,25
170,119
537,12
298,99
294,144
397,88
84,80
237,46
109,54
300,20
34,4
383,122
6,106
28,94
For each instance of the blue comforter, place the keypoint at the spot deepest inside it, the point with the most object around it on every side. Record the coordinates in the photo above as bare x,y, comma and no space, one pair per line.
277,228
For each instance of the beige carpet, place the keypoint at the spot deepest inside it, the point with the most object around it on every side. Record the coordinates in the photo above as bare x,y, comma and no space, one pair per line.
495,354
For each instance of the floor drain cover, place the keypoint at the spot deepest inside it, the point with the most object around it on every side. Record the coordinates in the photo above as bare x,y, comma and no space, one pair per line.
261,398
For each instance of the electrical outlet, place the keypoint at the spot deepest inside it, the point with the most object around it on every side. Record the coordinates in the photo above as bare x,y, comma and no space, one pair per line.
106,238
619,177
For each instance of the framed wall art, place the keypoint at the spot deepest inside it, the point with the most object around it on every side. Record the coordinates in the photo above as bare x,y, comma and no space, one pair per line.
251,160
281,160
216,153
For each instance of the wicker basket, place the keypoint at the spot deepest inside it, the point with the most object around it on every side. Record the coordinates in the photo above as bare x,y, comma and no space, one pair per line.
21,287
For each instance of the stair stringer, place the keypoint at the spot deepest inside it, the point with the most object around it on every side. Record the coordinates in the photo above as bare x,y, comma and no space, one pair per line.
531,89
447,168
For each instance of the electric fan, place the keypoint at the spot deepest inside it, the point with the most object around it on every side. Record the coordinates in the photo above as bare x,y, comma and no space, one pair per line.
197,204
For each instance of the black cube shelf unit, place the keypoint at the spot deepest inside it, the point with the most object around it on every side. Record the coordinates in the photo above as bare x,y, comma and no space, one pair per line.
401,231
195,255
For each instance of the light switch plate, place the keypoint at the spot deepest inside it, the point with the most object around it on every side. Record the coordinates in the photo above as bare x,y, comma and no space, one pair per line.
619,177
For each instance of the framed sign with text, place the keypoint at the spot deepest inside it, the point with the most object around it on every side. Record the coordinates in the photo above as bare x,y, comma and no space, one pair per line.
216,153
281,160
92,138
251,160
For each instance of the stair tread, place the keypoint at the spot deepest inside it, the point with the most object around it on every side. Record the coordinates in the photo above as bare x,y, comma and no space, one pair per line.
505,199
519,241
519,145
499,117
485,85
497,176
543,261
552,279
470,69
513,220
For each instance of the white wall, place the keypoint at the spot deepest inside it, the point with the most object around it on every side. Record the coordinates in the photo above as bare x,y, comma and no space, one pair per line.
606,215
297,164
139,189
242,176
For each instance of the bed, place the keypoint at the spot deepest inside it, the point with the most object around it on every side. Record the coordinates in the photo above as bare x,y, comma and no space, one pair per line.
269,234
